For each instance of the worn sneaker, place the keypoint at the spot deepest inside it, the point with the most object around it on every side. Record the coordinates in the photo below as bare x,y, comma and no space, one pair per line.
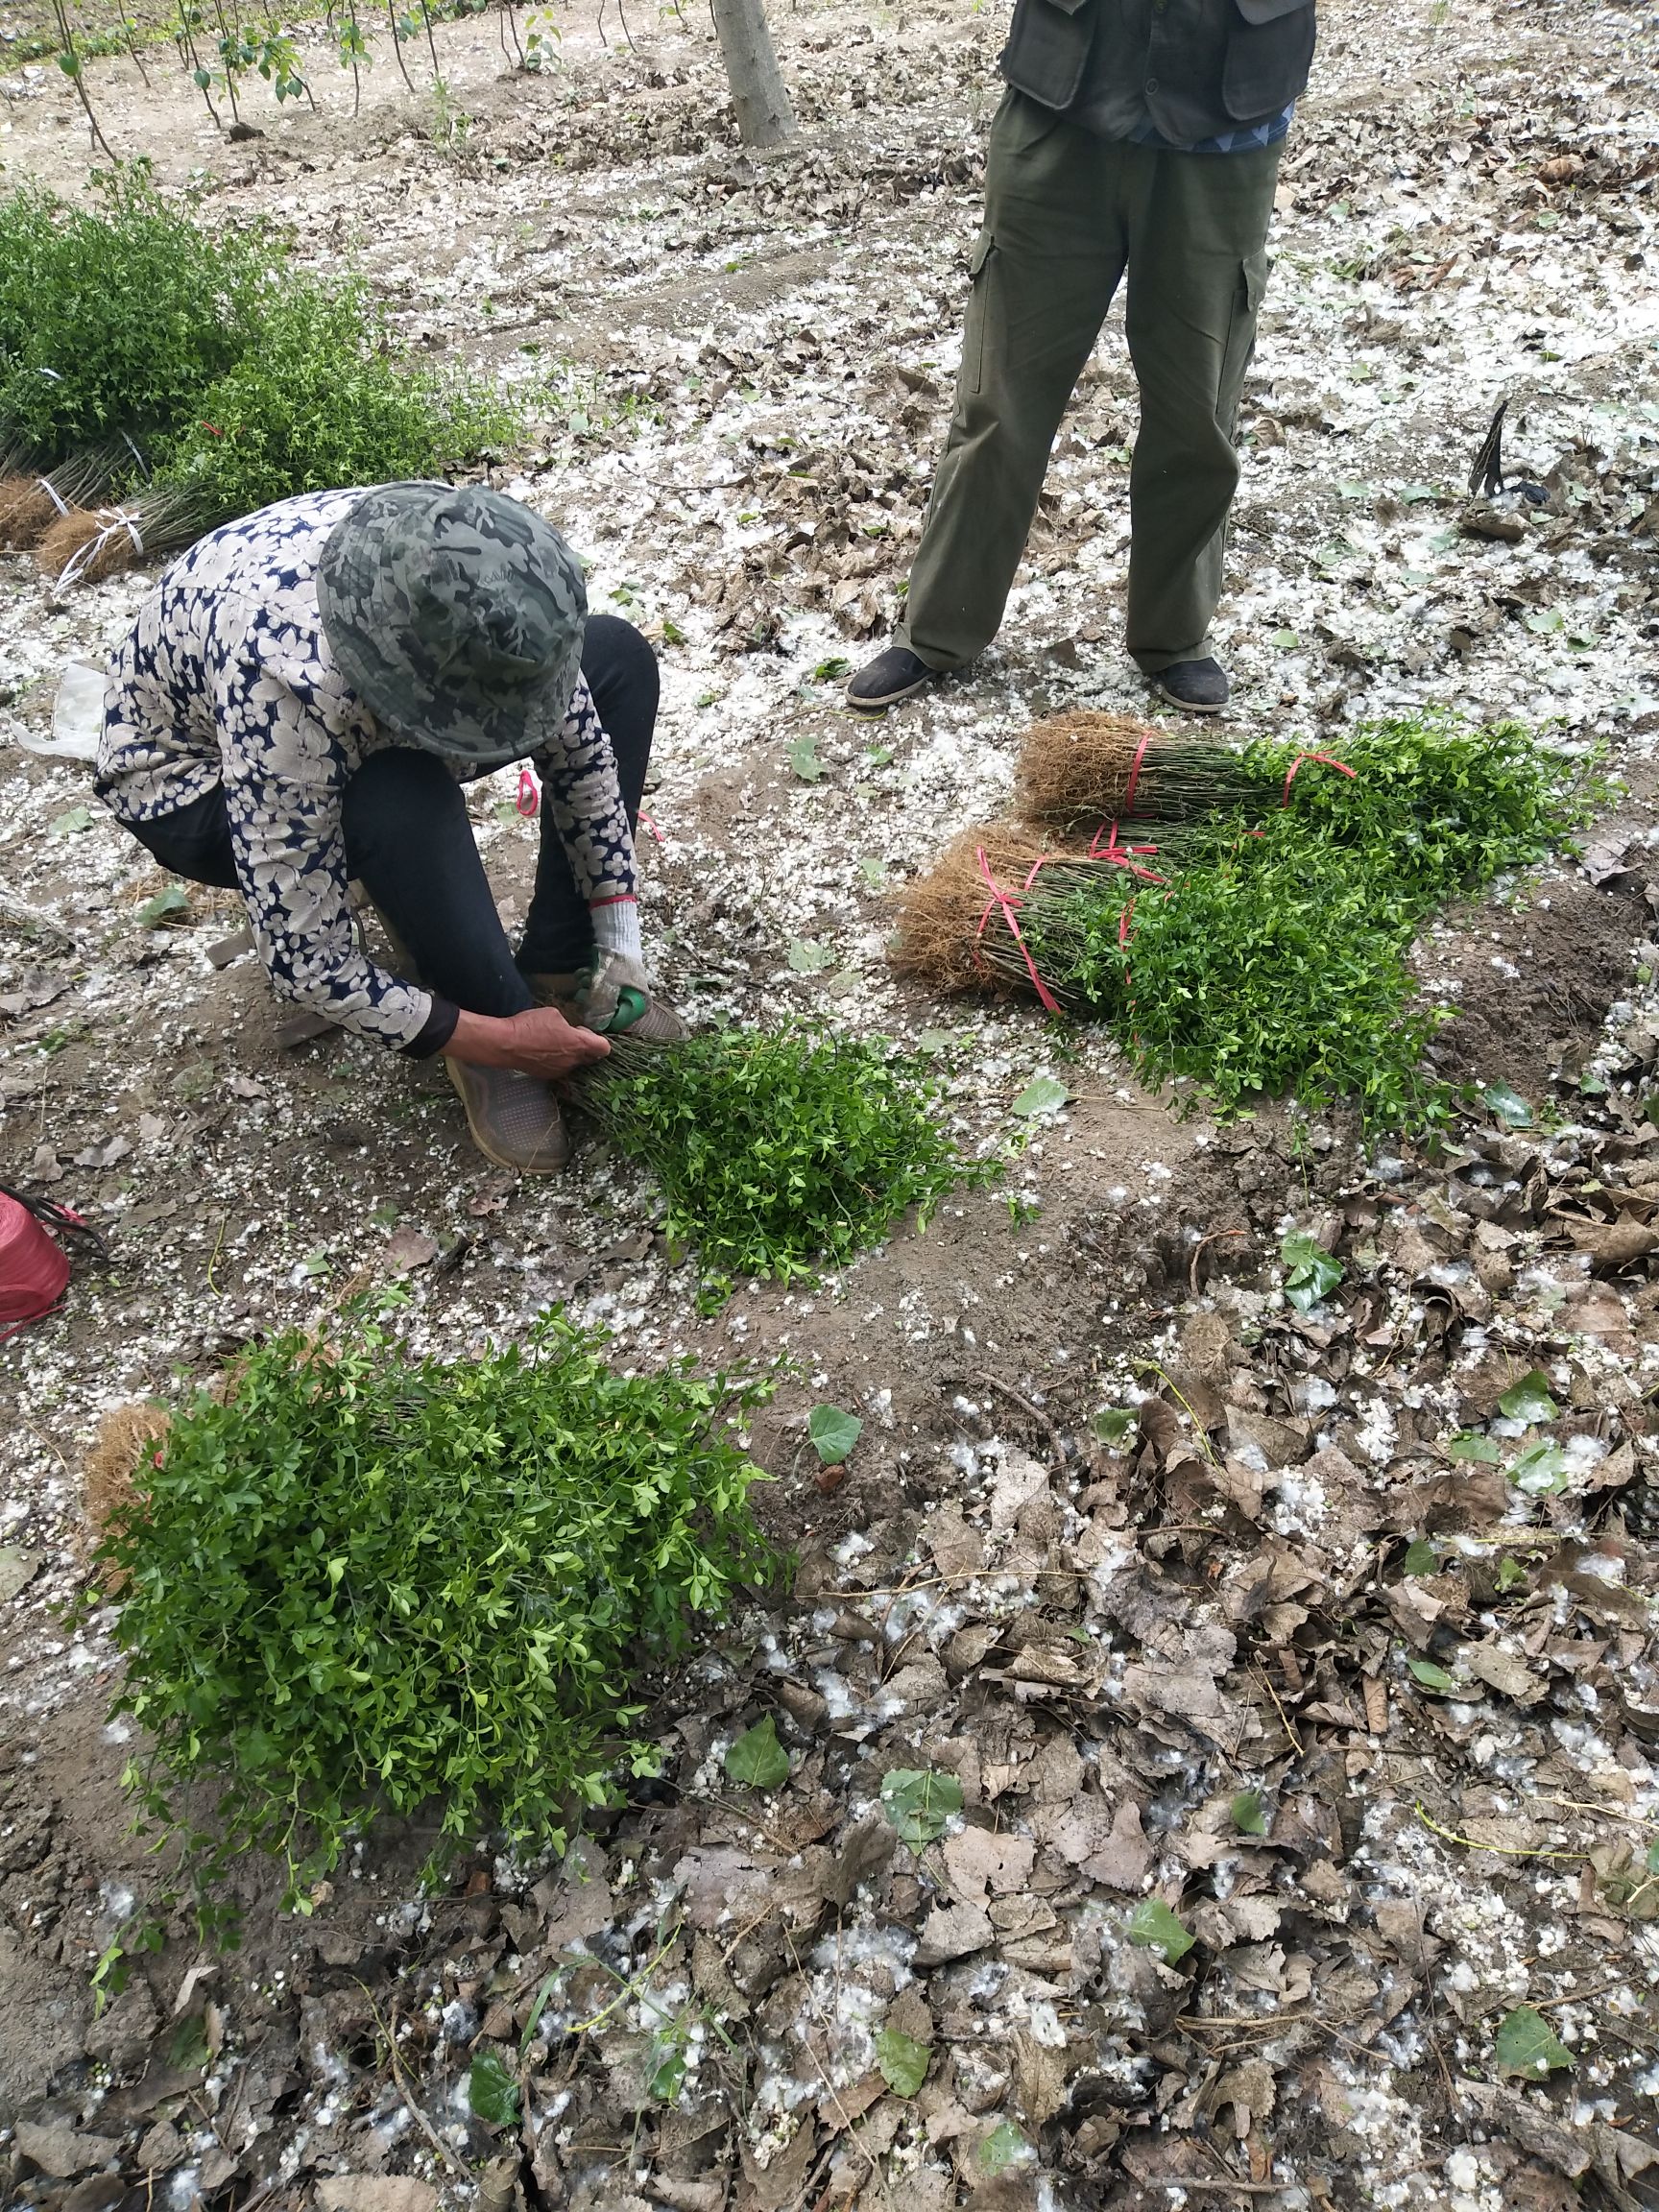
894,675
1201,687
514,1119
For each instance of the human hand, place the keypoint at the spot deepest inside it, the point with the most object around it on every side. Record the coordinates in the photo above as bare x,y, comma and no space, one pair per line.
538,1041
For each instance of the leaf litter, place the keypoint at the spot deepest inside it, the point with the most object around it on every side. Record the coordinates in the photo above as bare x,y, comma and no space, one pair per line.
1321,1563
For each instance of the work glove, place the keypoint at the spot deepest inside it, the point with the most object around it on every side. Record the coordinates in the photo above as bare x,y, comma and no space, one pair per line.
615,996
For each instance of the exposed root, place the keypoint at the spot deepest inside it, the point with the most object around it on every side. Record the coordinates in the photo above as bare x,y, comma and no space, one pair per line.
90,544
1084,769
127,1436
27,512
939,914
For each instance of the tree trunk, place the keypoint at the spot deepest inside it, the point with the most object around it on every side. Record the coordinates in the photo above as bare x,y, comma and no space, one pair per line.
764,117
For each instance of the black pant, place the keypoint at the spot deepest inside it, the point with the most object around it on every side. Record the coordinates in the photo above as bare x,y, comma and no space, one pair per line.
409,842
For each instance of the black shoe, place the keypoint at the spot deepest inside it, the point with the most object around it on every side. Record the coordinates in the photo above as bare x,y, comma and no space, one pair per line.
1201,687
894,675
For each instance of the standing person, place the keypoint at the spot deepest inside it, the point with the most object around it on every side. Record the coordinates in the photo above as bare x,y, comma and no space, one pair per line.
1140,135
299,702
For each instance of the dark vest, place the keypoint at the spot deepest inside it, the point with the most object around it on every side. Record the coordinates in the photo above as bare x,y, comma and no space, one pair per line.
1268,46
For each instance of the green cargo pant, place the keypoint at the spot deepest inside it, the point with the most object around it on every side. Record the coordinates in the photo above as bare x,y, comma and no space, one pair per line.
1065,214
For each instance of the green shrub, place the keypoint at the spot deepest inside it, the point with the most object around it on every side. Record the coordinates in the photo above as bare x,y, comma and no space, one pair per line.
1276,957
1273,962
1440,805
367,1580
778,1153
323,400
114,320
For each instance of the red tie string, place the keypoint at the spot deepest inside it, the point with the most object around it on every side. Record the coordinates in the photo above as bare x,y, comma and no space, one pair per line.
1325,760
652,827
1122,855
1009,902
529,799
1135,768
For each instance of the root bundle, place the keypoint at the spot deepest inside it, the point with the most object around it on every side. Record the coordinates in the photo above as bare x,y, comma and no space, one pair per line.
28,507
127,1436
88,543
1083,769
939,939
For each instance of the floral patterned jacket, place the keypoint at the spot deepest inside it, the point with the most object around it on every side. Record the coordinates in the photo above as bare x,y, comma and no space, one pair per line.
226,678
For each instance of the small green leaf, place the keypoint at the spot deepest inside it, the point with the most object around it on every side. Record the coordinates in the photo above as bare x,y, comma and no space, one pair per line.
72,823
1042,1095
833,1433
878,755
493,2090
1510,1575
672,634
155,911
1421,1557
189,2050
1527,2044
1651,1861
1541,1471
1287,640
1004,2147
1311,1274
1506,1106
935,1041
667,2076
1248,1815
1153,1924
808,956
757,1758
827,671
919,1803
1432,1677
903,2061
804,759
1112,1423
1529,1399
1470,1446
873,874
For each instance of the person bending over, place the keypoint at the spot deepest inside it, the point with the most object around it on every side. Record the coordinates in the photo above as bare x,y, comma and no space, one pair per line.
1138,135
298,705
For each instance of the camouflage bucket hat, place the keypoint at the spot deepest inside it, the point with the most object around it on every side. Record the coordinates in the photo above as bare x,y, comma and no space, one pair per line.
456,616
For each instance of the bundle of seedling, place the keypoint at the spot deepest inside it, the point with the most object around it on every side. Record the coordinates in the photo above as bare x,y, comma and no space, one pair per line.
779,1153
353,1582
156,382
1243,917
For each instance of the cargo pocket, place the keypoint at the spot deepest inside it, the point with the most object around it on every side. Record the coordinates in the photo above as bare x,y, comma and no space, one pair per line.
1247,299
979,271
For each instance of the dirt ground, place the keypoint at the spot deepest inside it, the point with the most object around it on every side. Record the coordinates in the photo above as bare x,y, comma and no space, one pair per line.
742,369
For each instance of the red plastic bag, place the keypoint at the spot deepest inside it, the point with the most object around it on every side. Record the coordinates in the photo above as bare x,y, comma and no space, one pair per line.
34,1266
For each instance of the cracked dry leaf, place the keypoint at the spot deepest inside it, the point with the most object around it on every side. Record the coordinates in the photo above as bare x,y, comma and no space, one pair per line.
953,1931
978,1861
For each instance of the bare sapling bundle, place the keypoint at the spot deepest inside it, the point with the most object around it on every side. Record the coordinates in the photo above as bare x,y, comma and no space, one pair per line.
85,545
28,509
1080,770
32,500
